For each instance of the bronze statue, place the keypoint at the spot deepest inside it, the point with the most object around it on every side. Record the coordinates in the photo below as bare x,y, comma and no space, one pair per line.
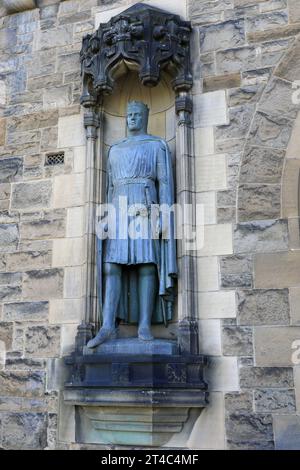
136,274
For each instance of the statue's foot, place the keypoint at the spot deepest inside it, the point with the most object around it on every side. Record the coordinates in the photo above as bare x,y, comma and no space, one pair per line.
144,334
103,335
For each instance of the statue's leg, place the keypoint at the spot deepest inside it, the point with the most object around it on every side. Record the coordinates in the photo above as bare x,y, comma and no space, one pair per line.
147,297
112,292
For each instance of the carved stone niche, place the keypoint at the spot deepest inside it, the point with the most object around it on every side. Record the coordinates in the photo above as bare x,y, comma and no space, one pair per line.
154,396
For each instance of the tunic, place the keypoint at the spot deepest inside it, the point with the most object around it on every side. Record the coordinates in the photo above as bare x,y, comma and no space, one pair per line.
136,173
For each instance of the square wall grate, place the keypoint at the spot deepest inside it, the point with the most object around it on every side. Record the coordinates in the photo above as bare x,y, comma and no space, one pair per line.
55,159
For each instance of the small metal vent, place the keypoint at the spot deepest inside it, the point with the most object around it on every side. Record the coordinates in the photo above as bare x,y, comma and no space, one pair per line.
55,159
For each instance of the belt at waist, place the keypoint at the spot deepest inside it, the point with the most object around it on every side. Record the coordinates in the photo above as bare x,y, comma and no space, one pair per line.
133,181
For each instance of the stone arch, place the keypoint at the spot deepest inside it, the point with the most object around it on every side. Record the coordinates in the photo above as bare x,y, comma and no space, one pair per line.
268,182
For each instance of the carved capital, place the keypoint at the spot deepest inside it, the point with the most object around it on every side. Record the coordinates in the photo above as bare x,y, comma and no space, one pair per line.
91,124
151,38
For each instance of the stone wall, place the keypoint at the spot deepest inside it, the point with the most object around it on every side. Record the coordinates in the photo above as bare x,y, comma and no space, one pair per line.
246,56
249,59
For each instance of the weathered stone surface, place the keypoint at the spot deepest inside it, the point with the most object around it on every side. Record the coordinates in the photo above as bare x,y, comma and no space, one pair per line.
237,341
278,401
222,35
45,228
276,33
47,81
9,237
266,377
287,432
28,260
49,138
6,334
277,100
245,430
55,37
267,21
259,202
10,278
34,121
22,383
277,270
220,82
4,191
10,169
236,271
43,341
270,131
263,307
246,94
261,236
226,215
226,198
246,3
15,361
74,18
43,285
238,401
8,293
237,59
2,131
31,195
68,62
262,165
57,97
200,7
26,311
272,52
240,119
294,10
274,346
23,431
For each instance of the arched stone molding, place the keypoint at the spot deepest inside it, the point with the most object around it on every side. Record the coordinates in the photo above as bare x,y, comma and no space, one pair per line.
266,240
262,193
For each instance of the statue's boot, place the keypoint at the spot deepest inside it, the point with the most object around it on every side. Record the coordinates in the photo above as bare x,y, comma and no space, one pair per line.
103,335
144,333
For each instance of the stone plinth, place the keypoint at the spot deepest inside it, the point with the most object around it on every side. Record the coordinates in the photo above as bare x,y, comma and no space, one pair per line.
126,394
134,346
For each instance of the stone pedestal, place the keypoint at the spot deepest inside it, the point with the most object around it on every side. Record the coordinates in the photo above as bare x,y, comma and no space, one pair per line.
134,346
131,392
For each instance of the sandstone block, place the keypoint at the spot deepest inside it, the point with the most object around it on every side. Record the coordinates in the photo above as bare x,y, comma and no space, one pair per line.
274,401
25,311
23,431
259,202
42,341
43,285
266,377
223,35
274,345
22,383
262,165
263,307
236,271
237,341
35,195
261,236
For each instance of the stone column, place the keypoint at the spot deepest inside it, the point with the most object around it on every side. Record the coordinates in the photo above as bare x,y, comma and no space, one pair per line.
91,308
185,179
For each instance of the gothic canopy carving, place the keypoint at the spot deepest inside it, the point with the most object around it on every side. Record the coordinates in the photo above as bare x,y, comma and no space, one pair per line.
145,37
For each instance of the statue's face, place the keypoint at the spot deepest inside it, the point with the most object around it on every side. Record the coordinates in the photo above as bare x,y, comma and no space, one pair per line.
135,119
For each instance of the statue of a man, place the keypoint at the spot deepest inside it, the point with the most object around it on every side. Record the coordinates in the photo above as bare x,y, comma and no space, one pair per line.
136,274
